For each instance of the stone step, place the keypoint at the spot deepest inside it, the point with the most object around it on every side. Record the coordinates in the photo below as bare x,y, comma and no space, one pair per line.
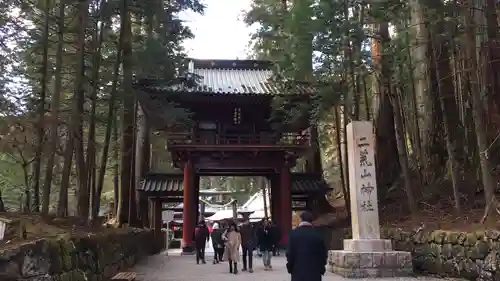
367,245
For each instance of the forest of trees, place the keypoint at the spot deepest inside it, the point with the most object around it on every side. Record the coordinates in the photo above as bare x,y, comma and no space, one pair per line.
424,71
67,104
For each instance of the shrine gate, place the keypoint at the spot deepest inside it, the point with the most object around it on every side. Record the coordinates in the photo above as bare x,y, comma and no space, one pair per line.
233,132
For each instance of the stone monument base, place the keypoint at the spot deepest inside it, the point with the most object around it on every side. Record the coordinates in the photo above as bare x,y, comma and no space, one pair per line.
376,260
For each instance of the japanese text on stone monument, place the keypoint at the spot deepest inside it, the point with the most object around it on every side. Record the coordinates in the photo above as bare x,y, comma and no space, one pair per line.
366,176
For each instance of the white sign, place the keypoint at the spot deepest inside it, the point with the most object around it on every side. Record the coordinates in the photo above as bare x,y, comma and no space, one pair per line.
167,216
362,180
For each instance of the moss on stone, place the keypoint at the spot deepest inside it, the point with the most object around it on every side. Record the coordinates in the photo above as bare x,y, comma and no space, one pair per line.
491,261
421,237
492,235
494,245
482,248
452,254
56,257
397,234
451,237
480,235
438,236
433,265
80,258
447,250
67,254
458,251
449,268
462,238
471,239
404,246
436,249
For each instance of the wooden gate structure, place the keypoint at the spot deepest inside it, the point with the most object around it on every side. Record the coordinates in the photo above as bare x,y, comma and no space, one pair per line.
232,131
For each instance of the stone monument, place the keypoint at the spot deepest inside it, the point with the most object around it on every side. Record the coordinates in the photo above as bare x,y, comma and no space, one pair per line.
366,255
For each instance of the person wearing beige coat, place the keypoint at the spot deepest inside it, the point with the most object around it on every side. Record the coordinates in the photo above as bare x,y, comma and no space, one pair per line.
232,242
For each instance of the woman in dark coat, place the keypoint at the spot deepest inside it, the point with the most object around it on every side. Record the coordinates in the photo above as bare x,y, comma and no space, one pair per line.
276,238
217,243
201,236
266,242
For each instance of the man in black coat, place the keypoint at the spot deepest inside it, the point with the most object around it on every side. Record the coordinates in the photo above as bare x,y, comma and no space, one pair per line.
248,244
201,237
306,253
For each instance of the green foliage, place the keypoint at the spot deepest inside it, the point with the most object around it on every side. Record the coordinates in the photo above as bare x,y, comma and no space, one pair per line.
12,183
308,41
157,35
241,187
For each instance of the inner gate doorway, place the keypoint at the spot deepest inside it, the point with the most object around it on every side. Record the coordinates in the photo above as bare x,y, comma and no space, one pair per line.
232,130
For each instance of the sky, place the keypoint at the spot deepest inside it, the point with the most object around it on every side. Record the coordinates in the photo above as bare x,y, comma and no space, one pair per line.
220,33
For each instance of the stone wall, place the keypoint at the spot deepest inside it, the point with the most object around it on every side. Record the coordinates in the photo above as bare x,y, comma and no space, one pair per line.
474,256
92,257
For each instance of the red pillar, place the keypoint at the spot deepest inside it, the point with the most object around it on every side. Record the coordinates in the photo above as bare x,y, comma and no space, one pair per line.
189,211
286,204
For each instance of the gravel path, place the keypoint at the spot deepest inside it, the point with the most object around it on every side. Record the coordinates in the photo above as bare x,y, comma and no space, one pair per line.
175,267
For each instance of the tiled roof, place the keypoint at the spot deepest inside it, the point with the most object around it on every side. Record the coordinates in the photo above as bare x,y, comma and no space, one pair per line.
241,77
162,183
301,183
306,183
234,81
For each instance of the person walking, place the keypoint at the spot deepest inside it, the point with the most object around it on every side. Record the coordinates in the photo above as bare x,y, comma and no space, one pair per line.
233,243
217,243
306,253
259,227
248,242
201,237
276,233
265,241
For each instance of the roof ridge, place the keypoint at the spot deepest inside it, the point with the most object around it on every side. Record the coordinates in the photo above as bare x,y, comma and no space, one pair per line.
232,64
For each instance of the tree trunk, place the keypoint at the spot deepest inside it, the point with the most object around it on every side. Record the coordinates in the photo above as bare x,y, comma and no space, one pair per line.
62,203
133,211
78,112
433,157
37,165
386,151
302,46
343,148
27,192
110,124
451,120
97,37
56,100
127,118
478,113
142,162
492,57
116,164
338,143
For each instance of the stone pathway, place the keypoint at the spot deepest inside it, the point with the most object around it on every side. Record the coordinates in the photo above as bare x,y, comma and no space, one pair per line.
175,267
